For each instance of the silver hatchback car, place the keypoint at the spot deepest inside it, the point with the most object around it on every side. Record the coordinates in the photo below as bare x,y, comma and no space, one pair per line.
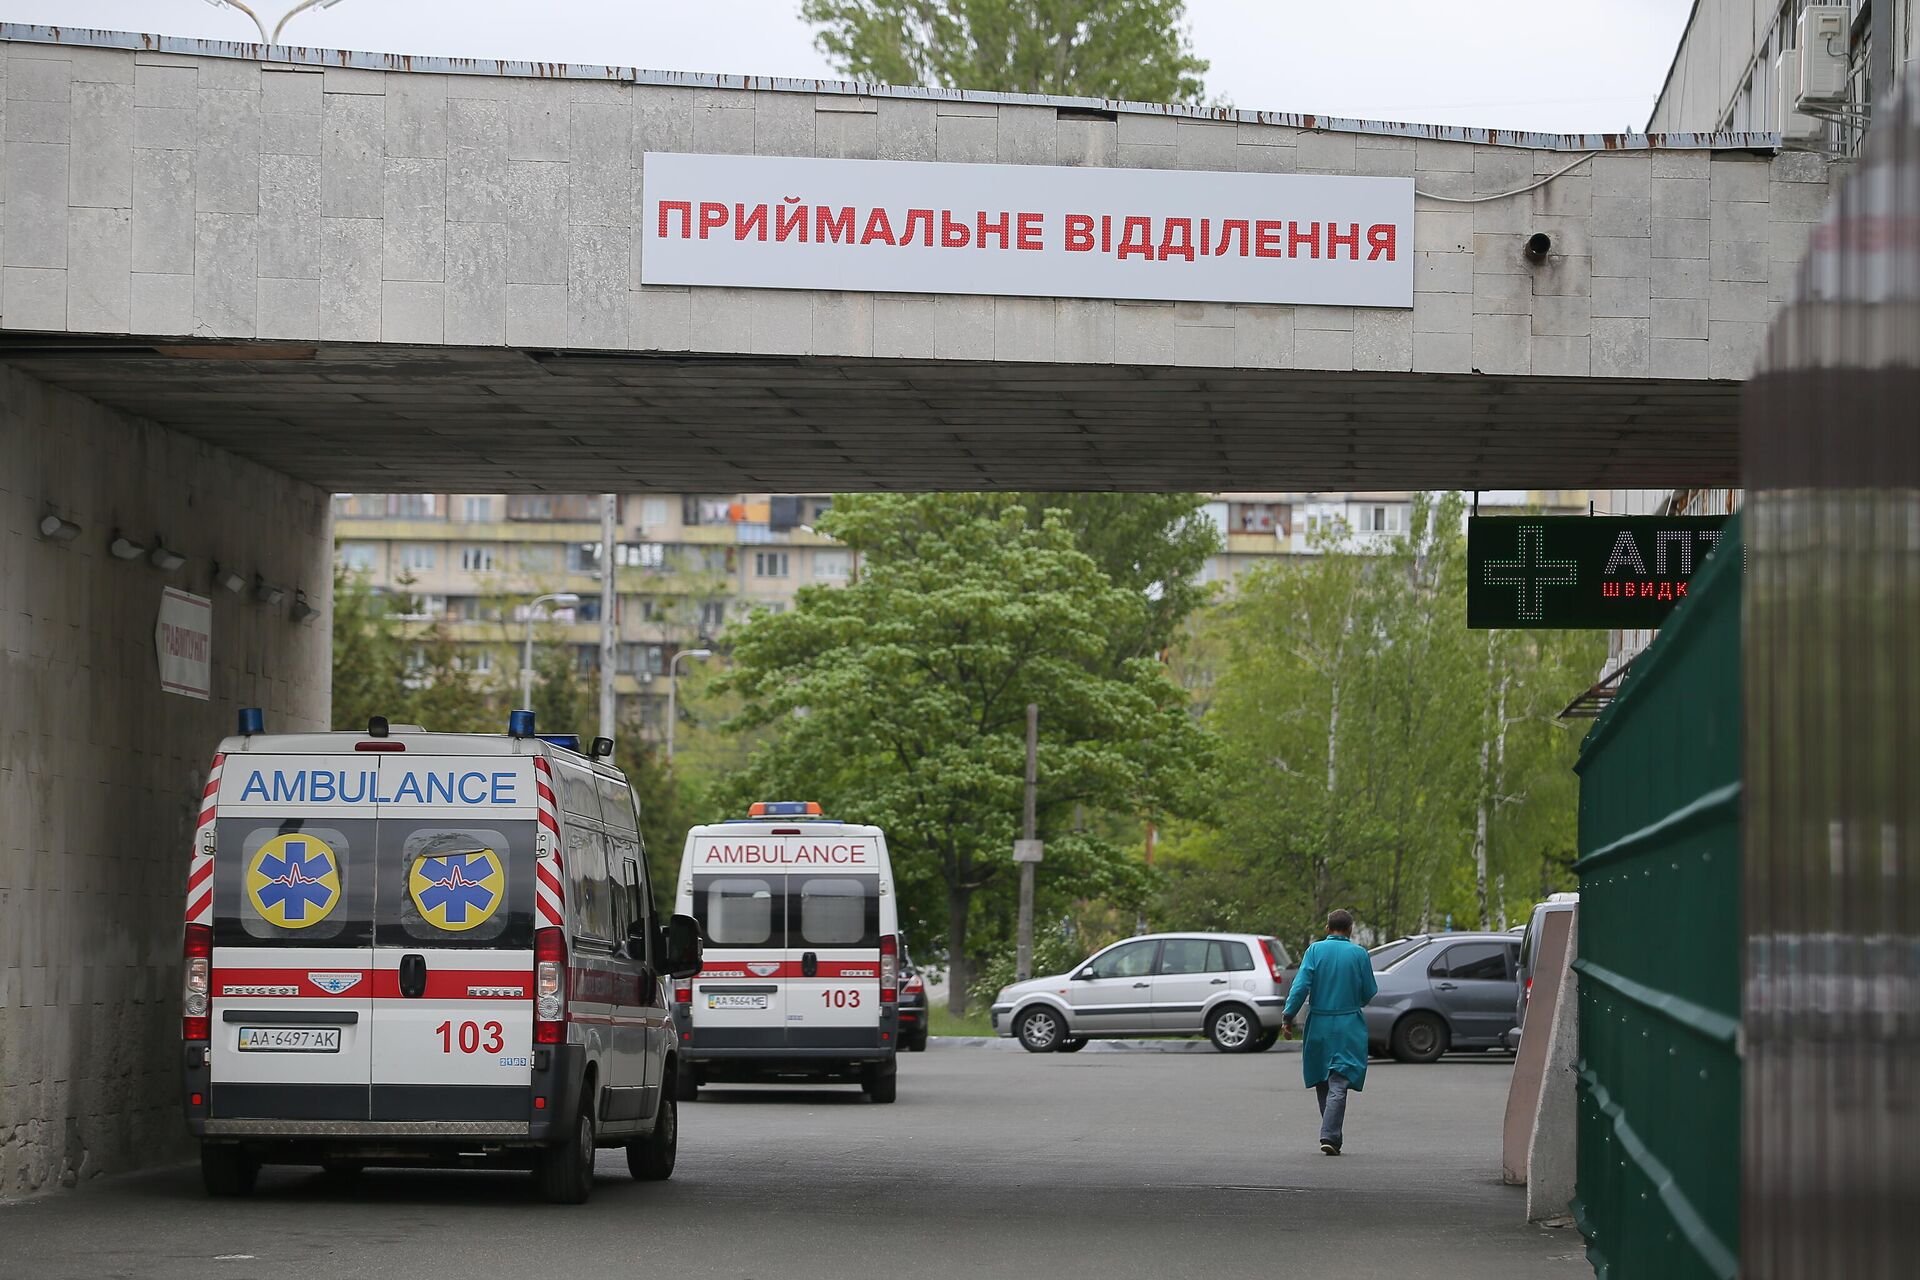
1228,986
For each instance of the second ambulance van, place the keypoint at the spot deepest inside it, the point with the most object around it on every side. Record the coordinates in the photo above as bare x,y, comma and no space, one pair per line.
409,947
801,974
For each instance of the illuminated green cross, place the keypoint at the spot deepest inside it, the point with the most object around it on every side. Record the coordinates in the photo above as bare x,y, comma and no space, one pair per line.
1532,573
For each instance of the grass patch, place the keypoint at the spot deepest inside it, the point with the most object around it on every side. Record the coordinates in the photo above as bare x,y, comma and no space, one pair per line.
942,1023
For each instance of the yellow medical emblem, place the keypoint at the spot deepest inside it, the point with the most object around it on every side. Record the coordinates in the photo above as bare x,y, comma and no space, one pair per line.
457,891
294,881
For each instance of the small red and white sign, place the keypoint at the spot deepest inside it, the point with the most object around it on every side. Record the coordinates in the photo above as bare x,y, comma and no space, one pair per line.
183,641
783,222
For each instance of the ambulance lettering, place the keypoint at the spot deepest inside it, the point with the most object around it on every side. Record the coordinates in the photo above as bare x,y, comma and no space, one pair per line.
782,854
362,786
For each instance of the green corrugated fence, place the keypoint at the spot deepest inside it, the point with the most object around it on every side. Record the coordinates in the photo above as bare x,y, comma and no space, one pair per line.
1660,950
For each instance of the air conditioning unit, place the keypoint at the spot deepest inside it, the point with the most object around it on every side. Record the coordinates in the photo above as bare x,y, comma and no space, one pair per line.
1795,126
1825,64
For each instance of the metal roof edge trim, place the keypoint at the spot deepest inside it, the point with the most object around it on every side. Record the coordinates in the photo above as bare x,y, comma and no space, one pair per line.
302,55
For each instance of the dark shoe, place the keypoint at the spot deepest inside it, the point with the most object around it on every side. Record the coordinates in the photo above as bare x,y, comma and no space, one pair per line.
1329,1148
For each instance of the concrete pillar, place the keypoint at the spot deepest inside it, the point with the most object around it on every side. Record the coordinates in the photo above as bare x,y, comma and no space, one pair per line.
1551,1165
100,771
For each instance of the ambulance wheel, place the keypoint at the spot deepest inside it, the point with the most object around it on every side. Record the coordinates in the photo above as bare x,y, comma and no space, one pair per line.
1072,1044
651,1158
227,1171
1040,1029
882,1084
686,1085
565,1171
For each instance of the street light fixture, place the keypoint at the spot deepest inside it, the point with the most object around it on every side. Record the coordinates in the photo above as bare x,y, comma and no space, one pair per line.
279,26
567,598
673,692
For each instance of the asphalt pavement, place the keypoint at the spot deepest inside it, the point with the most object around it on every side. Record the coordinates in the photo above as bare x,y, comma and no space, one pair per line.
992,1163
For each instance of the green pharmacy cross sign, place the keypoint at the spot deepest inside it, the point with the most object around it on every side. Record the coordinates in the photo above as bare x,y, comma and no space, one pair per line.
1583,572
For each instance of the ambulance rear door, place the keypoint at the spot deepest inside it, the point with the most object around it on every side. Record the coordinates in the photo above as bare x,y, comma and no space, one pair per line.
453,939
740,997
293,899
833,942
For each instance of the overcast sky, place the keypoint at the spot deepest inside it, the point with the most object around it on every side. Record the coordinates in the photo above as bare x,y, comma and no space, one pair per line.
1561,66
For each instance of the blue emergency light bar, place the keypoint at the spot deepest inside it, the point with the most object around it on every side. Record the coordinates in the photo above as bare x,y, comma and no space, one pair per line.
252,720
785,809
520,724
571,741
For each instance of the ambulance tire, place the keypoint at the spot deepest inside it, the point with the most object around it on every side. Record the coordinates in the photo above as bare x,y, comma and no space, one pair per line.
651,1158
565,1171
881,1084
227,1170
686,1085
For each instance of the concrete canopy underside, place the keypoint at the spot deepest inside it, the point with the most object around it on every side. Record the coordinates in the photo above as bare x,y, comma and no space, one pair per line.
390,418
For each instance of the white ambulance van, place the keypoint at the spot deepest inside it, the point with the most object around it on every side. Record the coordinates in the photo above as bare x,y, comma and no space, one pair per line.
801,974
427,948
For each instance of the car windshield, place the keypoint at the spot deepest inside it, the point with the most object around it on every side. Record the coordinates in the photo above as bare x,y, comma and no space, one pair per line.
1388,954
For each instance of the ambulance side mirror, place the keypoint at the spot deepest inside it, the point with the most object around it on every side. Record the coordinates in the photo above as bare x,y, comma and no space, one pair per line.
680,949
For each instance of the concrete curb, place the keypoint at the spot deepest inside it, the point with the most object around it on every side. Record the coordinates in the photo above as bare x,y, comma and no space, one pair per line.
1007,1043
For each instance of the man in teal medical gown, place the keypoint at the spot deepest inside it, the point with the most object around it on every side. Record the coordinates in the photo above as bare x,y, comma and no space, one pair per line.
1336,974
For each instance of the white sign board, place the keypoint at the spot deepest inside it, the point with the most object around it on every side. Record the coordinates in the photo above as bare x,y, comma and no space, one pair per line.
781,222
183,639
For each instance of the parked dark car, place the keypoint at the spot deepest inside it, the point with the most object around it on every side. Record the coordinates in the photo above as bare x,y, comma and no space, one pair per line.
1443,991
913,1005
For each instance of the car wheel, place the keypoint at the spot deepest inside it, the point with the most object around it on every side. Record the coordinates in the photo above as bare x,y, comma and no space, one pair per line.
1071,1044
565,1170
1265,1041
882,1084
686,1085
227,1170
651,1158
1040,1029
1420,1037
1233,1028
915,1043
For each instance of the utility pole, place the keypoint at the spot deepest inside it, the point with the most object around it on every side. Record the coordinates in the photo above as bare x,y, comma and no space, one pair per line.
1026,851
608,597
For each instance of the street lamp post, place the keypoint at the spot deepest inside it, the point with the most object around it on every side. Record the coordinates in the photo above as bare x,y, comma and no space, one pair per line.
673,691
567,598
279,26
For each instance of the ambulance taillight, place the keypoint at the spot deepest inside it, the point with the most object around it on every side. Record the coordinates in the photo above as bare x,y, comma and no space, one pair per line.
549,987
889,968
196,1023
683,991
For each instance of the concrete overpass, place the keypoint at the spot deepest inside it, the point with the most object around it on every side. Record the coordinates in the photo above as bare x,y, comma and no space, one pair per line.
234,279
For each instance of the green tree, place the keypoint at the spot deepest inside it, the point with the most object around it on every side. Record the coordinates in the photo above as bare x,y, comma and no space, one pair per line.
901,699
369,655
1139,50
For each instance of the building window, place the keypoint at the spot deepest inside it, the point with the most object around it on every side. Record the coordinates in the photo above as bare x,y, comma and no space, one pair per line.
751,532
640,555
1384,519
648,659
832,566
422,607
538,557
653,512
478,509
577,507
480,660
476,559
359,556
463,608
586,658
418,555
583,557
713,614
769,564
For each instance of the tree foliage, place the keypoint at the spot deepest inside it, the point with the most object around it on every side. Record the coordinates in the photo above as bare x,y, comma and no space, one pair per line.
1364,731
900,700
1138,50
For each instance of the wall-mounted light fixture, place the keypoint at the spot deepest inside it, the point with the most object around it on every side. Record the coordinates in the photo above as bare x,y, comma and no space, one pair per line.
301,610
124,548
229,580
266,593
165,559
54,529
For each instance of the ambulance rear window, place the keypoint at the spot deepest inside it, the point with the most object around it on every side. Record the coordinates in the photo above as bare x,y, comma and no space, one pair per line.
292,883
835,911
738,911
450,885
